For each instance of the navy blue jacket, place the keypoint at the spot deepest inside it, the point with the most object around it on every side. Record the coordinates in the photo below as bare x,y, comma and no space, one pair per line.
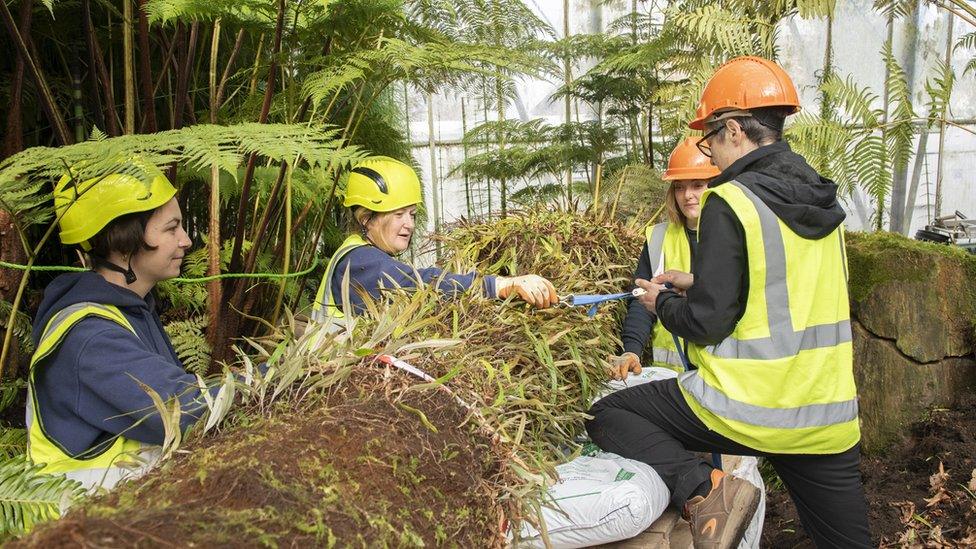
370,268
86,389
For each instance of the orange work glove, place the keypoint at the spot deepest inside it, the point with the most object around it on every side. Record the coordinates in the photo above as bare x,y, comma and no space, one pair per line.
533,289
624,364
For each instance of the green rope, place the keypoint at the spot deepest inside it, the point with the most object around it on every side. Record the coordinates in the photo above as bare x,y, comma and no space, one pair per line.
63,268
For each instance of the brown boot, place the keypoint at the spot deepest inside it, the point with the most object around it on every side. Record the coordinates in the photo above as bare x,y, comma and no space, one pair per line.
719,520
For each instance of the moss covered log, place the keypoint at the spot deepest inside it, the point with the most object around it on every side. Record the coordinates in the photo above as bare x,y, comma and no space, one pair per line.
914,308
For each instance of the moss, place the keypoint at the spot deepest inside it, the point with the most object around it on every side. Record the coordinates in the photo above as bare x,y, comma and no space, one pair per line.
882,257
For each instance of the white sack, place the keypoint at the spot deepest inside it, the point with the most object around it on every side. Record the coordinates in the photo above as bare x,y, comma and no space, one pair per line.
599,499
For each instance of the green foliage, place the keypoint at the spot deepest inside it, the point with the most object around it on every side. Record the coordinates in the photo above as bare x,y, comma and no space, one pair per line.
939,90
900,132
13,442
200,146
22,327
29,497
190,343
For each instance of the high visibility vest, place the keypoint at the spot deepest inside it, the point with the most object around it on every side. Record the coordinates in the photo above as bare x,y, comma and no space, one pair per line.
325,309
667,249
783,381
110,461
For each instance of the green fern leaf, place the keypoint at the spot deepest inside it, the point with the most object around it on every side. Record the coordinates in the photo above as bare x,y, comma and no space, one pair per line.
29,497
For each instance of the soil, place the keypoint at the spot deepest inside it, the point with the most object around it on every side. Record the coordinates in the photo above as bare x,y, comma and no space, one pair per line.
370,466
920,493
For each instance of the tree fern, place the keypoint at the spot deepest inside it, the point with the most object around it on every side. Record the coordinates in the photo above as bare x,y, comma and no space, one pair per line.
200,146
939,90
858,102
29,497
190,342
900,132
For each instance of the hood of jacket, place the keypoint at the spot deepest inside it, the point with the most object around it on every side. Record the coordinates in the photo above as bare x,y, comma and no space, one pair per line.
71,288
793,190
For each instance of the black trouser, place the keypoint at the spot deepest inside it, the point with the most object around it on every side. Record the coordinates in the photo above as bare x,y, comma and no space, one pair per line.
652,423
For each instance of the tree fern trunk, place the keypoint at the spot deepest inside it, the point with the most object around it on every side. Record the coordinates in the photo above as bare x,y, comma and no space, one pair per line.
183,76
899,180
44,91
13,141
942,128
145,73
11,247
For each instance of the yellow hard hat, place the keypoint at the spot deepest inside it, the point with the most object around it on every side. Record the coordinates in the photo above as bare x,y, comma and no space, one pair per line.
382,184
86,208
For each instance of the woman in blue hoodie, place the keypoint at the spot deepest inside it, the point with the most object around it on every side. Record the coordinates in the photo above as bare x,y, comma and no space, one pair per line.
382,196
99,342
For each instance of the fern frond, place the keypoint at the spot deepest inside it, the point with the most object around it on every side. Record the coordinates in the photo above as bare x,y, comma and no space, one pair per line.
29,497
857,102
870,166
901,128
190,343
939,90
715,25
816,8
899,8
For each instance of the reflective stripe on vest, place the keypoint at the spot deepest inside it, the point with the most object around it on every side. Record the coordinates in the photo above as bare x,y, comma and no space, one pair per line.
325,307
109,462
782,382
667,249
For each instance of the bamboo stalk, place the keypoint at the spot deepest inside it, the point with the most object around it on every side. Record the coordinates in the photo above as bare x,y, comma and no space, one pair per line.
286,260
128,68
238,42
214,288
568,74
214,48
464,152
436,197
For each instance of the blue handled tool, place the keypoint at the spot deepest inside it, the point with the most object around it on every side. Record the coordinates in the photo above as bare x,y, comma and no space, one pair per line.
592,300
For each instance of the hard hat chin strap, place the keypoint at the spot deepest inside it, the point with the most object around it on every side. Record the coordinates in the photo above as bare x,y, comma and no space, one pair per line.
128,273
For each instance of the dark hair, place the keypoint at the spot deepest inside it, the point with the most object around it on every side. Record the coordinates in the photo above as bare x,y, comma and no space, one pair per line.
764,126
124,234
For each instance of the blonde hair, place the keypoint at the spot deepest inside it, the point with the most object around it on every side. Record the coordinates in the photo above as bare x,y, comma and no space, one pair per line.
675,215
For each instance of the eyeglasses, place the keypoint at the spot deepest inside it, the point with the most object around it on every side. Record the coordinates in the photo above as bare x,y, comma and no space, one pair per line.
702,143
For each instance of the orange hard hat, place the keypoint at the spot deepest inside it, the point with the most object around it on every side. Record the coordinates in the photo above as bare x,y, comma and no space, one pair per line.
745,83
687,162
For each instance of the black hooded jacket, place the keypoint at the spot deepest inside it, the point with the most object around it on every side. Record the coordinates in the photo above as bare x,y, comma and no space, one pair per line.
801,198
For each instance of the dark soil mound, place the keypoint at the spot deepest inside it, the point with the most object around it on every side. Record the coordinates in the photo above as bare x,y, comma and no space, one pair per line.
920,492
363,468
